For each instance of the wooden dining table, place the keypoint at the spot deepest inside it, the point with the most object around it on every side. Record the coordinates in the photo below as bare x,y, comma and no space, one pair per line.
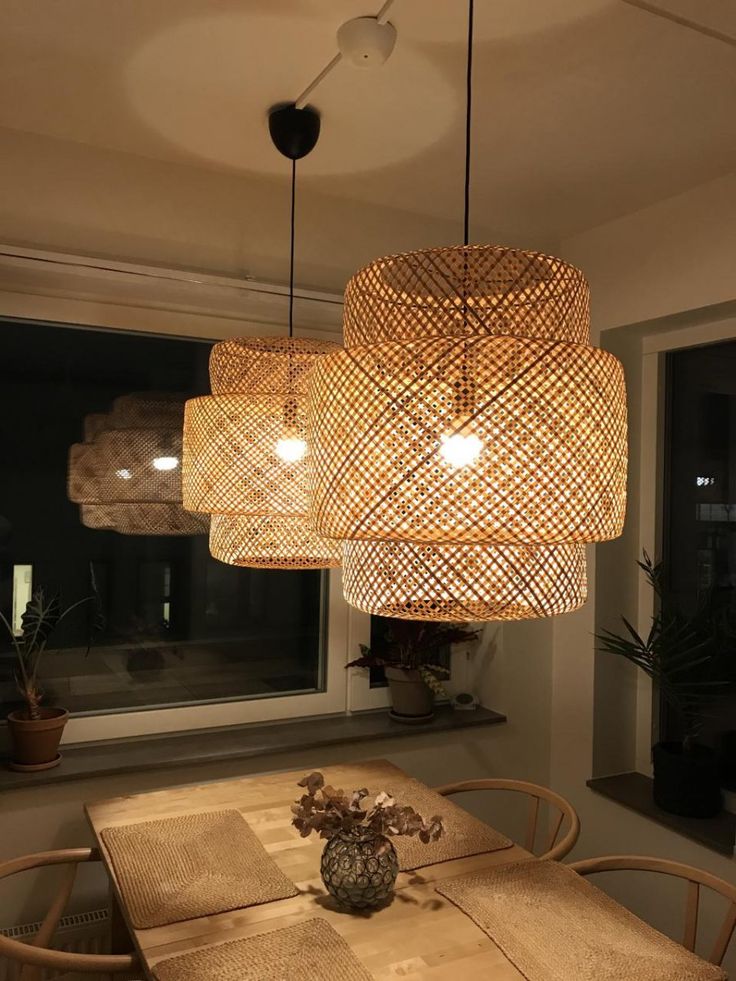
419,935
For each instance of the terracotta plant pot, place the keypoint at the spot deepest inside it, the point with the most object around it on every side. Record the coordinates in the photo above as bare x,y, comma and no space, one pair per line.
35,742
686,781
411,699
359,869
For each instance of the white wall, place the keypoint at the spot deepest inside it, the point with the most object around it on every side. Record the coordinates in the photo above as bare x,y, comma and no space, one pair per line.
677,256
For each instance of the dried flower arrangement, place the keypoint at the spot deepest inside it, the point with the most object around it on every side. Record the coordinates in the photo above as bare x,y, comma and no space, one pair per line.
328,812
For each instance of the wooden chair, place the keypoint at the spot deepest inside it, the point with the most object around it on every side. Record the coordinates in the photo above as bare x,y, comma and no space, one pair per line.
695,879
36,956
554,850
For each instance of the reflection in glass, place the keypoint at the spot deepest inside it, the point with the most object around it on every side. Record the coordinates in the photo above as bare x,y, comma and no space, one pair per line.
181,627
125,475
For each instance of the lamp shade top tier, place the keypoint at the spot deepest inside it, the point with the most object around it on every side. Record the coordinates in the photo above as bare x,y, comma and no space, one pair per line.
467,291
270,365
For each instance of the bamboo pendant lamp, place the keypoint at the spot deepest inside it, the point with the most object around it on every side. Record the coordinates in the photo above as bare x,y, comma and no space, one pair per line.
468,441
468,406
245,446
126,475
245,454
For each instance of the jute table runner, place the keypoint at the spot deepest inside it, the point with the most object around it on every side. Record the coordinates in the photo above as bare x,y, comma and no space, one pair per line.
181,868
464,834
309,951
555,926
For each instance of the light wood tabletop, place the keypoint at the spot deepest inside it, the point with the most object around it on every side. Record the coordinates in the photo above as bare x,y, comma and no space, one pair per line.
420,935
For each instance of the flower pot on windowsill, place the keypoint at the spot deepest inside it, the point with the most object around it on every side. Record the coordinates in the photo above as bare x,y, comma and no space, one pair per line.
686,779
35,742
412,700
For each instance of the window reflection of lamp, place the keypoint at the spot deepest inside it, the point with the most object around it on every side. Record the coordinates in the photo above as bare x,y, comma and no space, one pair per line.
166,462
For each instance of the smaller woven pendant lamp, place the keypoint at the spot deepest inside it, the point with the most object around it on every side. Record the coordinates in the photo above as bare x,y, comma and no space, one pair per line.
245,451
126,474
245,454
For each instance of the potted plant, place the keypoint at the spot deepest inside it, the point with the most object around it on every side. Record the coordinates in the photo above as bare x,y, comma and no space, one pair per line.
411,664
35,729
686,656
359,863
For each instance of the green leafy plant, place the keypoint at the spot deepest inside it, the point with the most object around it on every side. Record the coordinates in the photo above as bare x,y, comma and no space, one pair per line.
690,657
42,616
414,645
326,811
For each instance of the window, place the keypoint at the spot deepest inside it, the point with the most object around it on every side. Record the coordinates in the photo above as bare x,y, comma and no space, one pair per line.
700,495
179,627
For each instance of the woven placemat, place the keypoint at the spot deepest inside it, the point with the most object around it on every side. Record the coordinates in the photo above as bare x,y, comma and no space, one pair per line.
309,951
555,926
464,834
180,868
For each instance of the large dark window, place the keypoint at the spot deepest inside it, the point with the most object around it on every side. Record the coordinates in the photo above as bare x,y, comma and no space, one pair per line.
700,496
180,627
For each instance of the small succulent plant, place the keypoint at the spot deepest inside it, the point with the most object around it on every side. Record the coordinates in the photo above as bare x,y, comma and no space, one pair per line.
328,811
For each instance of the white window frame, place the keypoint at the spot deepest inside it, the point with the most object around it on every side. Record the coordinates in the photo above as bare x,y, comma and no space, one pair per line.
79,291
655,344
206,715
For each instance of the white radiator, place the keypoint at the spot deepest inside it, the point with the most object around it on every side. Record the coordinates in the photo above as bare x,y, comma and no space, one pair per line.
83,933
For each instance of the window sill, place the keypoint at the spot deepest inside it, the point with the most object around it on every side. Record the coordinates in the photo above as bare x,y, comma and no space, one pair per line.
634,790
182,749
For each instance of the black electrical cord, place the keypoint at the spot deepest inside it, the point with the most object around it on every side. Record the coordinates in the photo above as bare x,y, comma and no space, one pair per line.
468,116
291,248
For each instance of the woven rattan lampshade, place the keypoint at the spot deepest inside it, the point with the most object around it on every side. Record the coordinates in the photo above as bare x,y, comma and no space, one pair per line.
468,406
463,582
245,454
126,475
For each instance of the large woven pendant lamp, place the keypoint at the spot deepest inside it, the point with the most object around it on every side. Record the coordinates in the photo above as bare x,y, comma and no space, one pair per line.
468,441
245,446
126,475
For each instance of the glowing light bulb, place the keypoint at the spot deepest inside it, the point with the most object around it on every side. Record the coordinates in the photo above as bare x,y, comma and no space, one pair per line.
460,450
291,449
166,462
124,473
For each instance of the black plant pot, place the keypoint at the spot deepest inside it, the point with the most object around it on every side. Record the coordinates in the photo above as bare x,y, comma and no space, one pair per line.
686,781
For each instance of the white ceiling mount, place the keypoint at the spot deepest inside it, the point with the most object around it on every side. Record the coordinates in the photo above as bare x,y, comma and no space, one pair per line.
366,42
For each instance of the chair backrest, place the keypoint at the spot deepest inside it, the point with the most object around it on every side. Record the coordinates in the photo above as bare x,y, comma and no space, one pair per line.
695,879
553,849
36,956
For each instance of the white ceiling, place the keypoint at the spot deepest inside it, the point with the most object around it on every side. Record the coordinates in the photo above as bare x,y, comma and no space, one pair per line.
584,109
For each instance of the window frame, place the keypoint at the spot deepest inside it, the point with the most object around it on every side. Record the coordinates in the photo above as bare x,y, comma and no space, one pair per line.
77,291
207,715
